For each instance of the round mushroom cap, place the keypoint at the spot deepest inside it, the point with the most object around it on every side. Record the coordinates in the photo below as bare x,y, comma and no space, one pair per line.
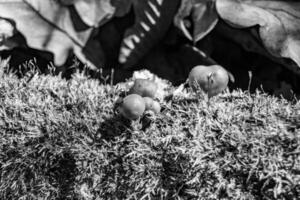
144,87
133,106
152,105
211,79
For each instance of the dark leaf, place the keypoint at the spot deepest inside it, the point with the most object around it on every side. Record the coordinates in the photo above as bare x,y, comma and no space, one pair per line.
122,6
152,20
203,15
278,22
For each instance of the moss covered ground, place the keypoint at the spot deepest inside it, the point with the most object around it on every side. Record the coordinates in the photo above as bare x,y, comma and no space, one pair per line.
61,139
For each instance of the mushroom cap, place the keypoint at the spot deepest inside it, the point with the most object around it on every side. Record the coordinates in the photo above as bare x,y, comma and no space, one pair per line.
144,87
152,104
133,106
211,79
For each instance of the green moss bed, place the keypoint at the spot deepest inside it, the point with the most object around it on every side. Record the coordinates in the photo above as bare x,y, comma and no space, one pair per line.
61,139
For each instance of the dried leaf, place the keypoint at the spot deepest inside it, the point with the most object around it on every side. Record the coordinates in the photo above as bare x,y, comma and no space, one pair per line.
94,12
250,42
44,28
152,20
50,26
203,15
7,30
122,6
278,22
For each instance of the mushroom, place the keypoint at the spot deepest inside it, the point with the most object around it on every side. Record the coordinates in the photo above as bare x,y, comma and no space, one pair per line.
144,87
211,79
152,105
132,107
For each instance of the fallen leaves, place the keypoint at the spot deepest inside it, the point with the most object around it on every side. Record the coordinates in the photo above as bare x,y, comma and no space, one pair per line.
53,26
65,26
204,18
277,23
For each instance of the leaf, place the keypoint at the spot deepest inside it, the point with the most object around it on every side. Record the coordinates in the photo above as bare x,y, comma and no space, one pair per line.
250,42
152,20
7,30
44,28
93,51
203,15
122,6
278,23
49,25
94,12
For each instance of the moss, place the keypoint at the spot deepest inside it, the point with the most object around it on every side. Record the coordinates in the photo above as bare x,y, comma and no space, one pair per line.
61,139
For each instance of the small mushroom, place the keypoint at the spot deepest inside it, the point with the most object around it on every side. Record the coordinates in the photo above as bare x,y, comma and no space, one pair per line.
211,79
152,105
144,87
132,107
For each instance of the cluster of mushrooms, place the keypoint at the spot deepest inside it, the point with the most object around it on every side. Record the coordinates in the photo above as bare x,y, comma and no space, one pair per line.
140,98
212,80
